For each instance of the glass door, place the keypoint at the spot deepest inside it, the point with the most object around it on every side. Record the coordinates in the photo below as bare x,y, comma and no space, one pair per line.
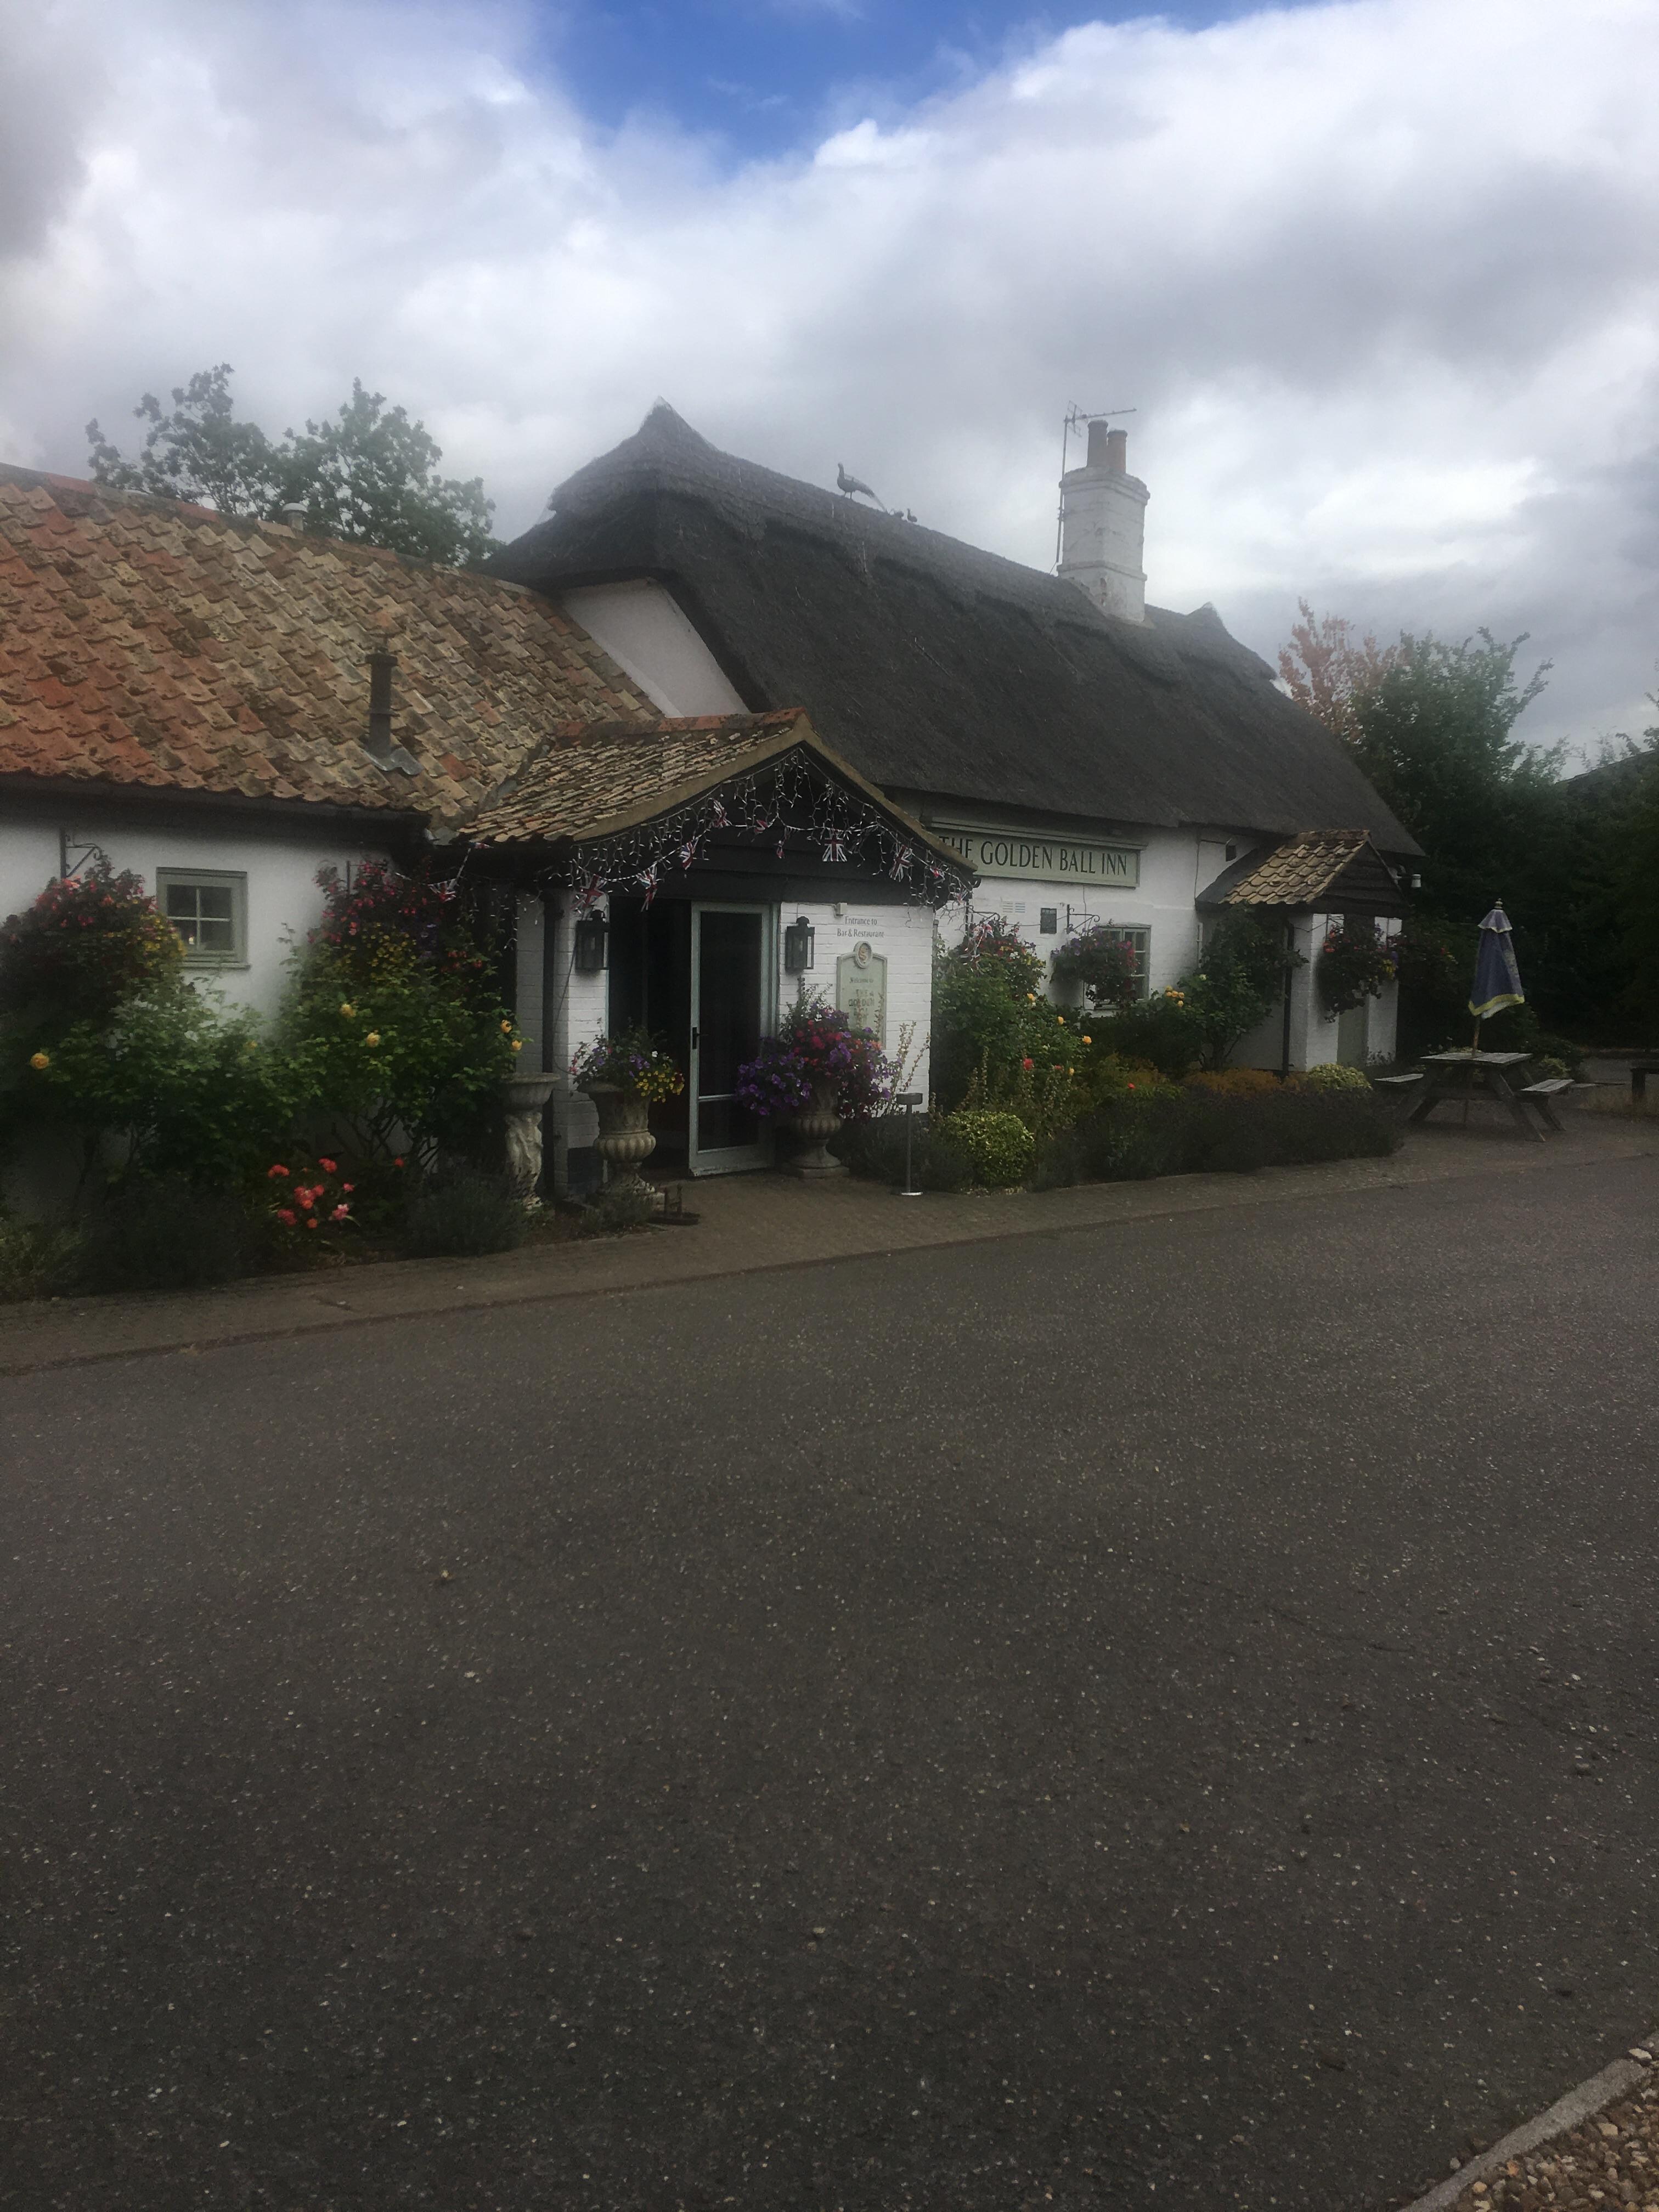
730,966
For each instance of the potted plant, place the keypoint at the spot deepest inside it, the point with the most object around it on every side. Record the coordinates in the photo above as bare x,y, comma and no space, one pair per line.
624,1076
817,1073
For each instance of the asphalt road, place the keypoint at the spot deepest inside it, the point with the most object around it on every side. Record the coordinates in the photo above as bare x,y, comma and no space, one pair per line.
1159,1716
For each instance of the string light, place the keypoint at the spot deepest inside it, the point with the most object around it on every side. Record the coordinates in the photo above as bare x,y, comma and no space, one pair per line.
791,797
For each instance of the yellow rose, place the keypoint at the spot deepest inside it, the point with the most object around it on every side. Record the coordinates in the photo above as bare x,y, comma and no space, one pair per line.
1030,998
1088,1040
1061,1018
40,1059
506,1028
518,1044
373,1037
348,1011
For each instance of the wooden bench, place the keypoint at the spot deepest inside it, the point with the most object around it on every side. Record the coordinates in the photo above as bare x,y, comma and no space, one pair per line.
1544,1094
1639,1072
1395,1081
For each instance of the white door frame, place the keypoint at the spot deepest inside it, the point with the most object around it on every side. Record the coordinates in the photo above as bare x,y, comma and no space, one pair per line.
729,1158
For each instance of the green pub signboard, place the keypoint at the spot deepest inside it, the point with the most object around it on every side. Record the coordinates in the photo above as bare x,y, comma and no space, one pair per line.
1043,858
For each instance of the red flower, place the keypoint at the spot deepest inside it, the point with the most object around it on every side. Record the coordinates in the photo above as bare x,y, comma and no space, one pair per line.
397,1163
328,1167
1132,1087
312,1224
286,1213
339,1213
348,1186
1026,1063
279,1170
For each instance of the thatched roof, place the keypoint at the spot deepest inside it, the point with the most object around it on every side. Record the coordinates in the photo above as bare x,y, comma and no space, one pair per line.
940,670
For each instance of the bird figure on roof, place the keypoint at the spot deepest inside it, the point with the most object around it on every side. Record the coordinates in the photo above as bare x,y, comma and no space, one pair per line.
847,485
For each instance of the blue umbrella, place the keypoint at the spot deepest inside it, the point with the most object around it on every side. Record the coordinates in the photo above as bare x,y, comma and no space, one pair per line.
1497,978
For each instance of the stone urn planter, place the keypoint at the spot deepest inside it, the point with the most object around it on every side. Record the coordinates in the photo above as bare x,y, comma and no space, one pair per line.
527,1096
816,1123
624,1139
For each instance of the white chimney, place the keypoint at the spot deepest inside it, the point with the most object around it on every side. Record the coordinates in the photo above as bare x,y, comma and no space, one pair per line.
1103,526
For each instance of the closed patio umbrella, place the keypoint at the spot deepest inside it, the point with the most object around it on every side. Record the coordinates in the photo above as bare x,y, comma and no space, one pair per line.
1497,978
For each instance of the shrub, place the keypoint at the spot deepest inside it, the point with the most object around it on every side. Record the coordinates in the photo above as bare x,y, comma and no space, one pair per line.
1356,963
164,1233
1102,960
876,1150
611,1210
1237,1135
192,1091
1331,1075
1000,1148
1235,1081
308,1205
82,949
1545,1069
388,920
408,1059
1202,1129
464,1215
36,1260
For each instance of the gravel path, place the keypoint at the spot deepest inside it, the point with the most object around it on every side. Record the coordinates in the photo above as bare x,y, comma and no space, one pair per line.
1612,2160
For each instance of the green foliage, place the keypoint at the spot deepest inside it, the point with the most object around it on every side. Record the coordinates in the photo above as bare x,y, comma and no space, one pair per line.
1435,734
1199,1020
1331,1075
464,1215
36,1258
197,451
367,474
164,1233
875,1149
404,1062
1000,1148
393,1007
1635,895
82,947
1203,1130
1102,960
616,1208
1356,963
189,1088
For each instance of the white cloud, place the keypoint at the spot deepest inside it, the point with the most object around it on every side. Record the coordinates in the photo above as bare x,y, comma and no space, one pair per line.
1379,276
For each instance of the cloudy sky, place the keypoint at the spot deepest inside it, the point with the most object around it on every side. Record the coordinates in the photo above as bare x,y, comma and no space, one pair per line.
1381,278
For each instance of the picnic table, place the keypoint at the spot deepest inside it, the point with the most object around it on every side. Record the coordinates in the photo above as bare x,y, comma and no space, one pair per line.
1463,1075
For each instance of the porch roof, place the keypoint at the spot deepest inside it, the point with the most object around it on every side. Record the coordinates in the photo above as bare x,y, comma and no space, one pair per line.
1338,867
659,785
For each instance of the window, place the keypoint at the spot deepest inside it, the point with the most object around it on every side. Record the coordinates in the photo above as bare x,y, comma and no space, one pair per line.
1136,943
209,909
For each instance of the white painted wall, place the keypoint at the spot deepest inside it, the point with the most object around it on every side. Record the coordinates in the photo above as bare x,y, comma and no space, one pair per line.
577,1006
1174,864
283,901
643,629
903,936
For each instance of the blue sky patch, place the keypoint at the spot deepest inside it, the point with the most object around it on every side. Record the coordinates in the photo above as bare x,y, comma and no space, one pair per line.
769,75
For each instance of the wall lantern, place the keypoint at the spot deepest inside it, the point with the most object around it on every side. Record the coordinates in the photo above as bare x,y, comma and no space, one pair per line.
590,944
797,943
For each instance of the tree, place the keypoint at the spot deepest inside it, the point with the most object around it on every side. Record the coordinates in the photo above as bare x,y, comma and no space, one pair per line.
1325,667
1635,867
199,453
367,474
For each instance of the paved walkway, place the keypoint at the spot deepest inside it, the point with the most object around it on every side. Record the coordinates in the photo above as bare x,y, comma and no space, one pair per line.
748,1223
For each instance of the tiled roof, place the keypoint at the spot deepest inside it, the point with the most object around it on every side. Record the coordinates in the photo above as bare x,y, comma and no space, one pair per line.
144,642
1296,873
591,779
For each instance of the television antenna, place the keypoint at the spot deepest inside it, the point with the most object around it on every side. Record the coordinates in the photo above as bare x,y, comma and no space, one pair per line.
1078,420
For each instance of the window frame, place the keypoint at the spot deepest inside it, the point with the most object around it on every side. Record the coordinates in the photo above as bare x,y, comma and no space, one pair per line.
234,880
1138,936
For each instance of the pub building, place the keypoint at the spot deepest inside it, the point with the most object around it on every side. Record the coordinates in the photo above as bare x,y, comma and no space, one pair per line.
1088,758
